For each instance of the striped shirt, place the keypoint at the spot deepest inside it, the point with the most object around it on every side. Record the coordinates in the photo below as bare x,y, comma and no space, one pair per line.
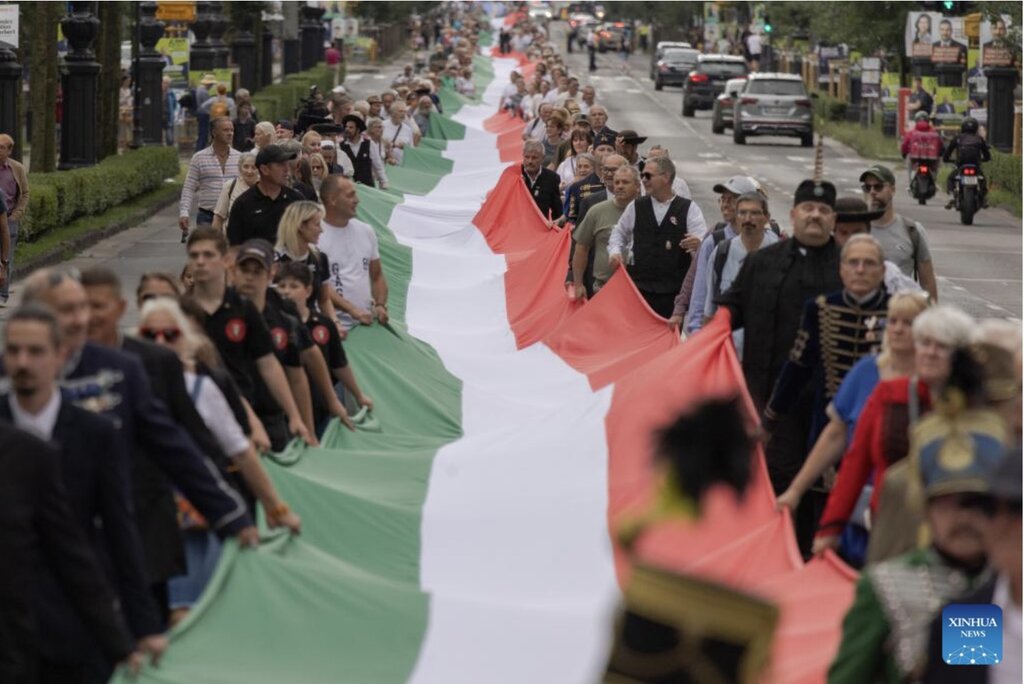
205,179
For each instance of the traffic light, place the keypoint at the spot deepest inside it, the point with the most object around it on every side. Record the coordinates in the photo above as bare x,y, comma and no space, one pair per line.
948,5
767,24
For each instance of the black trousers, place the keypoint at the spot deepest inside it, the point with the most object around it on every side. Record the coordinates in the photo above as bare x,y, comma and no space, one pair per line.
661,302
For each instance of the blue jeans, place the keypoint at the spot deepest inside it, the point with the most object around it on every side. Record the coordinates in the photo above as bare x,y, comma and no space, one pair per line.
5,291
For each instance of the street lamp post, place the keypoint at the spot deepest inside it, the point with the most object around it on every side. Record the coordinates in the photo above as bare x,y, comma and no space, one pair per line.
79,85
218,25
201,55
148,75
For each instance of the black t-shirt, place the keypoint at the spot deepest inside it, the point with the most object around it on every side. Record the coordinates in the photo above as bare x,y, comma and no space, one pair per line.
241,336
307,191
254,215
319,268
325,335
288,335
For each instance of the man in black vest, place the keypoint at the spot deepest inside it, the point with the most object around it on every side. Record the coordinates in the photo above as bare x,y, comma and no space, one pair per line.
540,182
366,161
767,300
664,231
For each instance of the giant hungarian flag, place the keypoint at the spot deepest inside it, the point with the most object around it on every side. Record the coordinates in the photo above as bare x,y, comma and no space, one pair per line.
470,537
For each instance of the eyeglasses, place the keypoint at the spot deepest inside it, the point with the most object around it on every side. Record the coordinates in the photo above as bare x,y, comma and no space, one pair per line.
169,335
872,187
647,175
751,213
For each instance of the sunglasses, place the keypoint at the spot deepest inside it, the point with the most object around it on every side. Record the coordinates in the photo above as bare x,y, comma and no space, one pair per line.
169,335
647,175
869,187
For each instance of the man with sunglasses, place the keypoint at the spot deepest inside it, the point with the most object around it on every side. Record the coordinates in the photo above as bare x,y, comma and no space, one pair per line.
661,231
903,240
885,632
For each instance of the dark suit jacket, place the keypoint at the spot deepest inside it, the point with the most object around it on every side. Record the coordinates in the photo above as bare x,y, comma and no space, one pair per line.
545,192
93,470
114,383
938,671
39,530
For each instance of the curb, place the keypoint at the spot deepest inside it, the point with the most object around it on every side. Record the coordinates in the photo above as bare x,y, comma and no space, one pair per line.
59,253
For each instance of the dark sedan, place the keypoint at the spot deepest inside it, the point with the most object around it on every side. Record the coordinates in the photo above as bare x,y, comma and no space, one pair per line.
707,81
674,67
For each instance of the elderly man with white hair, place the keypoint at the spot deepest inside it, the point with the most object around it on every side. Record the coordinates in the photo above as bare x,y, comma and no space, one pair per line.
398,134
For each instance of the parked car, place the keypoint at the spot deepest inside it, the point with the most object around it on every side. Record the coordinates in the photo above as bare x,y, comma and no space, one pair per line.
674,66
773,104
659,51
707,81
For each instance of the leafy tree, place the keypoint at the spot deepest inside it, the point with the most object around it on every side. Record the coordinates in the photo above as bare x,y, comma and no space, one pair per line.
389,12
108,54
42,20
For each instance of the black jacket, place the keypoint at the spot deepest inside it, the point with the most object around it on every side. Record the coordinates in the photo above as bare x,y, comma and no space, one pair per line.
589,202
545,192
113,383
93,470
767,300
40,530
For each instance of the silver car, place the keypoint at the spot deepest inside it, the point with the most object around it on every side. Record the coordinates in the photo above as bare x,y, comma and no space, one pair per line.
721,111
773,104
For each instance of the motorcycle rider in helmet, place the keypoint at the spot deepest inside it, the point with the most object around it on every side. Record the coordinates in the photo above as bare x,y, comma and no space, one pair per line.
922,145
971,148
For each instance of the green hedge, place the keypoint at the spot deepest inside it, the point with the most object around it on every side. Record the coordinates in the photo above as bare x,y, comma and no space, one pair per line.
278,101
56,199
1004,171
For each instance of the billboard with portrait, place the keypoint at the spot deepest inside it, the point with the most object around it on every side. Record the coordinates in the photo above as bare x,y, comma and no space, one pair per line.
992,36
929,35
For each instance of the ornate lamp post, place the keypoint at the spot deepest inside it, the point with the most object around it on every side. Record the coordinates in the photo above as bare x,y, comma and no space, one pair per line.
10,90
79,85
149,71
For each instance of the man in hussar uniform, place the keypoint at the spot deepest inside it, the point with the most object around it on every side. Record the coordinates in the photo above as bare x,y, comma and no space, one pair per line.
885,632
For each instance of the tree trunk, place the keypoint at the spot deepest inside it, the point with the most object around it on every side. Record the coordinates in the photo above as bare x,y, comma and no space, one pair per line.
44,84
108,54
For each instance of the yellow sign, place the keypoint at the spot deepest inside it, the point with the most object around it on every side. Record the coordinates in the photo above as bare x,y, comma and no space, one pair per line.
175,10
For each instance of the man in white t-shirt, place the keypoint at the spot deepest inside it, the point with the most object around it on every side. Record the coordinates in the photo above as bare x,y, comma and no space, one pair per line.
360,290
398,133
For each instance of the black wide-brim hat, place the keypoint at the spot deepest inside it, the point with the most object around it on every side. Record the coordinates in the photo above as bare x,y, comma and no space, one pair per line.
360,124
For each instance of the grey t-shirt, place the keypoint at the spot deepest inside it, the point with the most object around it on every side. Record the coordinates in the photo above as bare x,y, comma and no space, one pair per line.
897,245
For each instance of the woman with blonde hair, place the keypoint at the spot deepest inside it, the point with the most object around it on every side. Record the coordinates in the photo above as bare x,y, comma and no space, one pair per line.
895,360
248,176
297,235
318,170
163,322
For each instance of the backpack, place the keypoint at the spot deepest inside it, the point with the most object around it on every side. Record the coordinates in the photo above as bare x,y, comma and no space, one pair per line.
219,108
915,241
721,256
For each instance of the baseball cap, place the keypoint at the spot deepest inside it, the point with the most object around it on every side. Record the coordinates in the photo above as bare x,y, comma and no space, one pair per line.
274,153
605,138
882,173
256,249
286,124
737,185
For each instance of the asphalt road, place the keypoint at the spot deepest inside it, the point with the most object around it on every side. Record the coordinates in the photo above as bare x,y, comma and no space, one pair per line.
979,266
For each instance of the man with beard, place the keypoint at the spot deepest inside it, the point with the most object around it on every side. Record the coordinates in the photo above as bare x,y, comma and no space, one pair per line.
767,299
885,633
903,241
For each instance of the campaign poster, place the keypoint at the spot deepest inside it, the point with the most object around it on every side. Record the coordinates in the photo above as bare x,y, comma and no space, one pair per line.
992,36
921,33
175,54
950,45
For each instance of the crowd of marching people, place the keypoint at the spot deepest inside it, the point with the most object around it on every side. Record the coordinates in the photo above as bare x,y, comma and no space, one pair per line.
149,442
889,419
